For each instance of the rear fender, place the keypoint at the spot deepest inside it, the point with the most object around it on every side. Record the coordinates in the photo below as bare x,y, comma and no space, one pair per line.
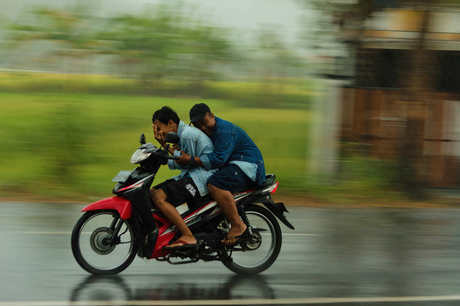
122,205
277,209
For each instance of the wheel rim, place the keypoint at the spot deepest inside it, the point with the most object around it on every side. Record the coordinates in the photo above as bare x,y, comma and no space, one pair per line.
255,244
100,241
94,240
256,253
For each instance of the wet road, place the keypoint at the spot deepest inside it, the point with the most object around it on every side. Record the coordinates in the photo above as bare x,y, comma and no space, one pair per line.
335,256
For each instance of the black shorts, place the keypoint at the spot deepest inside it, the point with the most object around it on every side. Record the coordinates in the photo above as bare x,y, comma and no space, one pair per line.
179,192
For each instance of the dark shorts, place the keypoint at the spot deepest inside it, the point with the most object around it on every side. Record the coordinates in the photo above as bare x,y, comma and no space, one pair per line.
230,177
179,192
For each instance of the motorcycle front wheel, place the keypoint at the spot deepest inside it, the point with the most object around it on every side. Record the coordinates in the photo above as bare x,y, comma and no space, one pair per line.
257,256
98,248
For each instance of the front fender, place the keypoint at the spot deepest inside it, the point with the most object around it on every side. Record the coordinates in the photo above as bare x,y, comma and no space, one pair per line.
122,205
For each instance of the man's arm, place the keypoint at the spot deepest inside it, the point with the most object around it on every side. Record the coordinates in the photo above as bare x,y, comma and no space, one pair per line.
195,143
223,148
185,159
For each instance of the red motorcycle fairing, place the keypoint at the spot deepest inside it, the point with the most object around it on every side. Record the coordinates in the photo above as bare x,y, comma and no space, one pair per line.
122,205
167,230
164,236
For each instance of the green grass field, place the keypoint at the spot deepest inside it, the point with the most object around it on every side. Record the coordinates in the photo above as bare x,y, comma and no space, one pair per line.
62,145
64,137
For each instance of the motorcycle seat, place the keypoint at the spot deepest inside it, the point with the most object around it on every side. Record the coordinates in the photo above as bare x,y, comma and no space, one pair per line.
200,202
269,180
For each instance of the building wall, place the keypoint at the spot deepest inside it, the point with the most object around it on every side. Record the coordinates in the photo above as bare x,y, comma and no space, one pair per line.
377,119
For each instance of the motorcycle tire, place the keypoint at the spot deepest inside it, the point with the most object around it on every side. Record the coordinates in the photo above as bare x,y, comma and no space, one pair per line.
91,243
253,258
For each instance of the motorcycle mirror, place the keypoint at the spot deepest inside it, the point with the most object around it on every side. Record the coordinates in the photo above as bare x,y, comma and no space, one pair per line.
142,139
172,138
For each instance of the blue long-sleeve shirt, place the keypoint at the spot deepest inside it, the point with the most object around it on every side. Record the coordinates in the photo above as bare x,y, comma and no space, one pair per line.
194,142
232,145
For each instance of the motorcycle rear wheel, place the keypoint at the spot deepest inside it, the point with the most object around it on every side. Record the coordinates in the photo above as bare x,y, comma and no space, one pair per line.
253,258
92,247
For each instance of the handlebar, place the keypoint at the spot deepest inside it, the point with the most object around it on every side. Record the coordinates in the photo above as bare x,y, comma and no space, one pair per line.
172,157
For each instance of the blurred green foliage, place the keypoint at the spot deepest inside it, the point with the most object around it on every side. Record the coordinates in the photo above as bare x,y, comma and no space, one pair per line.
62,145
292,93
164,44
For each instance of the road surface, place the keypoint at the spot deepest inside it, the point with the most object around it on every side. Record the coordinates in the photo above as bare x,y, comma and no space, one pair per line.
347,256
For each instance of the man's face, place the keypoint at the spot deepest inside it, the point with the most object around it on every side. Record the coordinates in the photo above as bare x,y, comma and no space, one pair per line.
206,124
163,129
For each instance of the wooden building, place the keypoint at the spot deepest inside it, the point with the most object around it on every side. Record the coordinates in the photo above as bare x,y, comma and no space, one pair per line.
376,107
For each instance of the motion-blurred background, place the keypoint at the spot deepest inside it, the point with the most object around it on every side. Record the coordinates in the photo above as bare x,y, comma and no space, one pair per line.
349,101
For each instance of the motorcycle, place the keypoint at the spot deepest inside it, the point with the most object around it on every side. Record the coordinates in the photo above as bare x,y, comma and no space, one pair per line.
107,237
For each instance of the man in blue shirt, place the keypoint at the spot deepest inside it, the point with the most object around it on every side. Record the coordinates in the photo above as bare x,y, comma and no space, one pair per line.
238,159
191,182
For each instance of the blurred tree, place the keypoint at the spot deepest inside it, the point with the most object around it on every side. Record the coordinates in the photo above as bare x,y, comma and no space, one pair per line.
321,32
163,43
71,32
71,35
274,52
276,58
147,43
204,48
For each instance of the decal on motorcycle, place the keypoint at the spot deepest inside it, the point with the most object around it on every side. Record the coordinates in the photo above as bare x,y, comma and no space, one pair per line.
136,185
189,220
239,196
214,213
170,229
196,220
200,211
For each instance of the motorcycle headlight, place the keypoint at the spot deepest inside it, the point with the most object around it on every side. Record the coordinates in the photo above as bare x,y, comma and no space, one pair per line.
139,156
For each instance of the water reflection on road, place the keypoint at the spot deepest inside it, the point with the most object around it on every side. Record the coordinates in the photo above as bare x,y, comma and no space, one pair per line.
151,288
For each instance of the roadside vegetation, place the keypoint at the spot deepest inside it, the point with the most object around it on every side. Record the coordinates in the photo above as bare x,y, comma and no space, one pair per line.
61,144
69,142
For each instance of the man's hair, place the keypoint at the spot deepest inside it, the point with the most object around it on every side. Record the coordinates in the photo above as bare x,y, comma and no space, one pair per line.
165,114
